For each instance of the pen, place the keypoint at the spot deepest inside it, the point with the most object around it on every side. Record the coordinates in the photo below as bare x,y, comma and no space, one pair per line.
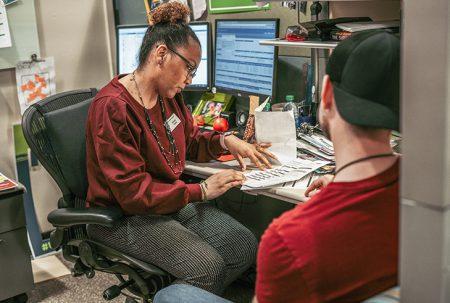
310,178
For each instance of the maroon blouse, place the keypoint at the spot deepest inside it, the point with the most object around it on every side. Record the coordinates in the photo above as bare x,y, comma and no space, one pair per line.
125,166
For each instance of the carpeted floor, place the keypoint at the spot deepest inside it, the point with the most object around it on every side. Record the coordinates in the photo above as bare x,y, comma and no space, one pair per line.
68,289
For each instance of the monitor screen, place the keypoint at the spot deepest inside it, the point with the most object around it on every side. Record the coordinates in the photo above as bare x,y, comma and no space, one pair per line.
242,65
203,76
129,39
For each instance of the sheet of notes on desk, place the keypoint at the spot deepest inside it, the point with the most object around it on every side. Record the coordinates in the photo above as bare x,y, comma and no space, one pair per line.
289,172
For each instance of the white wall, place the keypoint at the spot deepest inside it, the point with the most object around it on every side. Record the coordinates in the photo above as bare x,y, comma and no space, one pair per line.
75,33
425,204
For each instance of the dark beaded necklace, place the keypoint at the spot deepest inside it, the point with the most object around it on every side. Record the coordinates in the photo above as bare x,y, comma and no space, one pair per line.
173,151
363,159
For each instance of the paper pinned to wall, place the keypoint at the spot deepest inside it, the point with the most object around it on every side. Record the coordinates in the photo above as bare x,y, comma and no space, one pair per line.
5,35
35,81
198,8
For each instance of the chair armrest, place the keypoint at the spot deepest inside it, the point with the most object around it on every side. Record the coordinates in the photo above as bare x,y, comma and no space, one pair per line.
66,217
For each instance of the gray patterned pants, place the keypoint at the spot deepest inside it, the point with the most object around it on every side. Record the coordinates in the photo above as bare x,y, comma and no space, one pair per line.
199,245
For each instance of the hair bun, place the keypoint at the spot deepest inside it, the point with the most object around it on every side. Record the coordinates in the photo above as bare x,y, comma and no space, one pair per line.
171,12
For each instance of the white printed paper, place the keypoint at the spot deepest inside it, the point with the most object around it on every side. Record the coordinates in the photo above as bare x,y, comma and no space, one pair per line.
292,171
35,81
5,35
277,128
198,8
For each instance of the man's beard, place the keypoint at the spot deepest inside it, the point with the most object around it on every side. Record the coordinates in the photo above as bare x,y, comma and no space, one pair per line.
324,126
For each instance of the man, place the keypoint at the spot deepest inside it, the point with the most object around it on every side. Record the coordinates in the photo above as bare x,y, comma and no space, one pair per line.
342,245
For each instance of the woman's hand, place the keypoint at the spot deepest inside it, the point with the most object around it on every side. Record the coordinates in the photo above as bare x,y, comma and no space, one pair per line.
318,185
257,153
219,183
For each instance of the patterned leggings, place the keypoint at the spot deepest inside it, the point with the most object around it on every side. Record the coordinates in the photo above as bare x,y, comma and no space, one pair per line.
199,245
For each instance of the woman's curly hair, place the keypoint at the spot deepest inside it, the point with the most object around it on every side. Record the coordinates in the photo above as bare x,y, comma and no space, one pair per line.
168,25
172,12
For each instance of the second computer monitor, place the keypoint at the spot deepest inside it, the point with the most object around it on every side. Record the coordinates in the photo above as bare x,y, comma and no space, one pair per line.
202,80
242,65
129,40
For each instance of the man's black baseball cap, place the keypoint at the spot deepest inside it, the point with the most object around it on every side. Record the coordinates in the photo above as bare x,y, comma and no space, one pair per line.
365,72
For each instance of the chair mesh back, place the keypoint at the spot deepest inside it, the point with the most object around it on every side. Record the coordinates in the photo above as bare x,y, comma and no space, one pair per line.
37,136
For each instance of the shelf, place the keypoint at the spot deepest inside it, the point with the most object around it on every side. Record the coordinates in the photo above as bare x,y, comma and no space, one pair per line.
307,44
333,0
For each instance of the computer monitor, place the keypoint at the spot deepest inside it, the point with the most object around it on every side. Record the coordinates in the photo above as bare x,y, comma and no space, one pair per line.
243,66
129,40
202,80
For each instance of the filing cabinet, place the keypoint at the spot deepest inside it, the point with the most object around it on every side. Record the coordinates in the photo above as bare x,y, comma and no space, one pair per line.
16,276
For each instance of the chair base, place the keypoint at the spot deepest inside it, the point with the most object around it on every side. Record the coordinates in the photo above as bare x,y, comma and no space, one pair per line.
139,282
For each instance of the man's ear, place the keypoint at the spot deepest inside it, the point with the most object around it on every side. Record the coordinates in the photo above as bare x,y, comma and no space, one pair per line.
327,94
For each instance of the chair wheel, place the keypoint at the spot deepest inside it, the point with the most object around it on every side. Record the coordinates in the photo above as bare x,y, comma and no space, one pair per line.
22,298
111,293
78,269
75,273
90,274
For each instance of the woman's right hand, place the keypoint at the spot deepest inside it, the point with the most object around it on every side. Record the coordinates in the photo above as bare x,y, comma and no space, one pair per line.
318,184
219,183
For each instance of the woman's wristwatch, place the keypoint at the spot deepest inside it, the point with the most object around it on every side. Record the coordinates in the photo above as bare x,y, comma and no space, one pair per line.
222,139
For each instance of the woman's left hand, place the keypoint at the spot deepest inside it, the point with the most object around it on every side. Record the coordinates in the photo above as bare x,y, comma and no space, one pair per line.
257,153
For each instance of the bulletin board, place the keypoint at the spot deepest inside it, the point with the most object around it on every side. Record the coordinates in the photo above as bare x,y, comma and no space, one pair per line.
24,34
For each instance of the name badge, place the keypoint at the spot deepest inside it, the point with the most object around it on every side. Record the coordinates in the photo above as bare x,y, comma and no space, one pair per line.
173,122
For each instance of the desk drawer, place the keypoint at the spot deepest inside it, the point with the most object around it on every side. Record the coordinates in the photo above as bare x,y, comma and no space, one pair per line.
12,214
15,264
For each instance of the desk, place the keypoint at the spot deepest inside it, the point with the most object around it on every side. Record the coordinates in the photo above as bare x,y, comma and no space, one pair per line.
16,276
204,170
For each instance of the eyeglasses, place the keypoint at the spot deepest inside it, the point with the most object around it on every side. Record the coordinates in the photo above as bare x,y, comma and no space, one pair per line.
192,70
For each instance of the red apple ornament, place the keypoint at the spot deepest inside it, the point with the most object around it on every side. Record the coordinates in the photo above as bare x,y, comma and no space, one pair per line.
220,124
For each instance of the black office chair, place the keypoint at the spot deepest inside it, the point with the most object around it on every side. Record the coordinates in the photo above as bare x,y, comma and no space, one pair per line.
55,131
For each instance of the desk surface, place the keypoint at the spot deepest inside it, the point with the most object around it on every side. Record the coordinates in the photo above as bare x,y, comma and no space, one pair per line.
204,170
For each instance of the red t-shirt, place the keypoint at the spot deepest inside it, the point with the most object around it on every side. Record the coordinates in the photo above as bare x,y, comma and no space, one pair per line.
341,246
125,166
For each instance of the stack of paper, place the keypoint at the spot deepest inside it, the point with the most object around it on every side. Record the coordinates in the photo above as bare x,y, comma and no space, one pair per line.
353,27
288,172
306,148
317,145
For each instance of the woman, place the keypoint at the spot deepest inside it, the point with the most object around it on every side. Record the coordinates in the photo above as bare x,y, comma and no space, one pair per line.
139,133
